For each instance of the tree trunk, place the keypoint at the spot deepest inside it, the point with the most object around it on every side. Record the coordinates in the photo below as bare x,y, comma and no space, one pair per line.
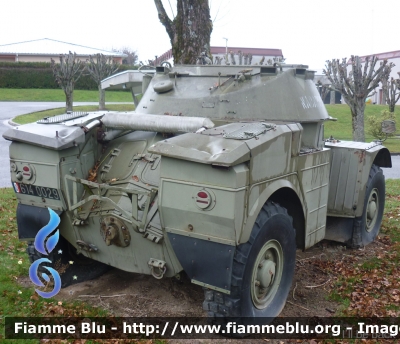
102,98
332,100
391,107
385,96
357,116
189,31
69,100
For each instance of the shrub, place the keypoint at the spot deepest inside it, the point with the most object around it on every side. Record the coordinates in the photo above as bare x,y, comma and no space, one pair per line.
39,75
374,124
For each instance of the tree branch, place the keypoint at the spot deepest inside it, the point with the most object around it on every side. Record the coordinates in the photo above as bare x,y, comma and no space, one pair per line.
164,19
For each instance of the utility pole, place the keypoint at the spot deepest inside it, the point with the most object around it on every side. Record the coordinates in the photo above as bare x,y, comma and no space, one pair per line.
226,49
226,45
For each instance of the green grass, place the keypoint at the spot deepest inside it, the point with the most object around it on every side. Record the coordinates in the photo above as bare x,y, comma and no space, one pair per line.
16,300
342,128
391,220
43,95
35,116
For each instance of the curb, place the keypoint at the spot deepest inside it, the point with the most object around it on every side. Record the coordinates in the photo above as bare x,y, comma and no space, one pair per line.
11,122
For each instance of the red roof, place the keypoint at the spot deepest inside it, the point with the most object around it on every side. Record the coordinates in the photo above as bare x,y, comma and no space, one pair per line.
382,56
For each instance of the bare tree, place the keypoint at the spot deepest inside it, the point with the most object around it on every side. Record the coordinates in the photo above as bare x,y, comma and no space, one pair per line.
100,67
324,89
218,60
233,61
385,82
132,57
240,55
392,91
66,73
355,86
190,31
250,58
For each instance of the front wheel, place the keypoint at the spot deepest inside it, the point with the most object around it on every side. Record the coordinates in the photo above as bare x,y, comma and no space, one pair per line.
263,270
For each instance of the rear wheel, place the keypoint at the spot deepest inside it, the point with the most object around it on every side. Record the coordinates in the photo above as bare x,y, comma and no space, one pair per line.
374,204
263,270
72,267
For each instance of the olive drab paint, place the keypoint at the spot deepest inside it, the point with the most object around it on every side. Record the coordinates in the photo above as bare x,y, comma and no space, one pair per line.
181,191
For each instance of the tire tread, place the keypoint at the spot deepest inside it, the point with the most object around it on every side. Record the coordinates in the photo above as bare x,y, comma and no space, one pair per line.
228,305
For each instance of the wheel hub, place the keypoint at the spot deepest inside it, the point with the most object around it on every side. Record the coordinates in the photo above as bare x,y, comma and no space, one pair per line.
267,274
371,214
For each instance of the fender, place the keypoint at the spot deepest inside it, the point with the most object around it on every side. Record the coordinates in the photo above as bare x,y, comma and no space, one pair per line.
378,155
31,219
261,192
354,159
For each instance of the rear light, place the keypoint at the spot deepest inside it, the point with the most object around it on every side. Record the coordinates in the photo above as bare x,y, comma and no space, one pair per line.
204,199
22,172
27,172
203,194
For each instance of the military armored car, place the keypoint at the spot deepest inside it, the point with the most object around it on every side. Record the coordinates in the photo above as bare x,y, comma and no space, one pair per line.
222,172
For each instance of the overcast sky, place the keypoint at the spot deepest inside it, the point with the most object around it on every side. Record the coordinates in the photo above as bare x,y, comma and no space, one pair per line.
308,32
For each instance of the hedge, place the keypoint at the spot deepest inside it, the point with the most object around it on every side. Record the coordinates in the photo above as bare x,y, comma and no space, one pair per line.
39,75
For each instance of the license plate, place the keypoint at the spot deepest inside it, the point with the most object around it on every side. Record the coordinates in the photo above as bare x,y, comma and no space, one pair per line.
36,190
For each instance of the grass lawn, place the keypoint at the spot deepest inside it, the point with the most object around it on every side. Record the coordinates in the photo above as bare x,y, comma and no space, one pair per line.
342,128
43,95
16,300
35,116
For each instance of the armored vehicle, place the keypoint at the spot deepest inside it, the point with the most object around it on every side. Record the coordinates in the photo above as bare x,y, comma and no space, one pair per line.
222,172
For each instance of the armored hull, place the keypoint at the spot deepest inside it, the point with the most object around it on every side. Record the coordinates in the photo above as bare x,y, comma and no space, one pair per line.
222,172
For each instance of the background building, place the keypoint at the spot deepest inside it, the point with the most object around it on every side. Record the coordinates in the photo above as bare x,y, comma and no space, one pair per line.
394,57
323,84
45,49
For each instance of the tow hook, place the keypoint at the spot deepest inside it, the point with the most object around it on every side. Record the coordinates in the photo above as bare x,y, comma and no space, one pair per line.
157,264
87,247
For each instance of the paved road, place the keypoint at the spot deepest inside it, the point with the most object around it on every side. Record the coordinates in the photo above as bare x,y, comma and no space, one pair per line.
394,172
9,110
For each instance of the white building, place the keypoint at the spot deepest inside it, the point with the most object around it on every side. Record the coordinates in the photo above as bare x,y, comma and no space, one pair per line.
394,57
45,49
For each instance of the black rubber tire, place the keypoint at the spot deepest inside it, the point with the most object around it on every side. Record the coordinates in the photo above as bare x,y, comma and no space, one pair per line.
375,189
273,224
83,267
